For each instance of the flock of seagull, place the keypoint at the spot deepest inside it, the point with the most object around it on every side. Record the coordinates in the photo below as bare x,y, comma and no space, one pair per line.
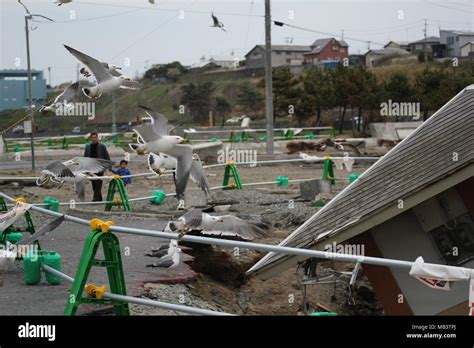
165,151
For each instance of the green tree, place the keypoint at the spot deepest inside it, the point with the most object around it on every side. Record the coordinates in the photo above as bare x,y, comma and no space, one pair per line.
399,89
286,92
346,91
317,94
197,97
249,98
222,107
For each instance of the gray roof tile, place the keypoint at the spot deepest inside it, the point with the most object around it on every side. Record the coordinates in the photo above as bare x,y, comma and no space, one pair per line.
421,159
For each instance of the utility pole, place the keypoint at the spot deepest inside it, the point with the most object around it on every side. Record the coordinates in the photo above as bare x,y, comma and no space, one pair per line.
30,93
29,16
114,125
424,32
268,79
49,73
342,34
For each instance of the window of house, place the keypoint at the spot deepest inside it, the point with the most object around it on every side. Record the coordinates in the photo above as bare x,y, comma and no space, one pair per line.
342,50
278,52
288,53
288,60
335,47
455,240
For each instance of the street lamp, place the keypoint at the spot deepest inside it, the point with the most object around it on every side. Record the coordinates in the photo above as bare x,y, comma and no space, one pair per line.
28,17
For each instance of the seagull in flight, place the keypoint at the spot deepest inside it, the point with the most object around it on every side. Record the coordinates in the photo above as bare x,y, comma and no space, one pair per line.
155,139
64,100
106,81
224,225
75,171
60,2
216,22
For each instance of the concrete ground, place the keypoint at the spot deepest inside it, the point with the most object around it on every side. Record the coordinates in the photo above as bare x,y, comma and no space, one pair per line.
17,298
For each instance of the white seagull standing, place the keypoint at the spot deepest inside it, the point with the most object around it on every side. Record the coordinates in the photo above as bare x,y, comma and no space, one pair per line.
165,249
170,260
224,225
106,82
156,140
74,170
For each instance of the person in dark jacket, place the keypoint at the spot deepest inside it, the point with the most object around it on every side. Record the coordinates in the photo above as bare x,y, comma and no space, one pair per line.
96,150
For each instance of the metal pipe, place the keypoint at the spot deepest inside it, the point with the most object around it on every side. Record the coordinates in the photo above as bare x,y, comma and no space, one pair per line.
141,301
250,130
246,245
30,93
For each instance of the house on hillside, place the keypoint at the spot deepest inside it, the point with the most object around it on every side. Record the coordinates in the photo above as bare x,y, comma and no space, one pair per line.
328,49
216,62
467,50
417,200
404,45
372,56
282,55
424,45
454,40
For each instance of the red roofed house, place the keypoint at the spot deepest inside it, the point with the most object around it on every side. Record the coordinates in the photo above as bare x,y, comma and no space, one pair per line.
327,49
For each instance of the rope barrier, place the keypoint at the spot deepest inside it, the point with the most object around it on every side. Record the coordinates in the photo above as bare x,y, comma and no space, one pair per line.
251,130
308,253
141,301
206,166
172,194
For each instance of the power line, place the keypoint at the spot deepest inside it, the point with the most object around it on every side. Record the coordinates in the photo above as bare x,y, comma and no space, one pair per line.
91,18
167,9
151,32
279,23
451,8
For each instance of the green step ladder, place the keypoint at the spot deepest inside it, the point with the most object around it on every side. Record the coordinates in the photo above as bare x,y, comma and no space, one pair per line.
116,184
99,235
65,144
30,227
328,171
230,171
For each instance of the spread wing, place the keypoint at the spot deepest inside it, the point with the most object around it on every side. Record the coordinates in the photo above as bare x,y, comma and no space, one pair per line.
192,218
230,225
58,169
69,94
100,73
159,121
129,84
184,157
215,20
88,165
198,175
147,132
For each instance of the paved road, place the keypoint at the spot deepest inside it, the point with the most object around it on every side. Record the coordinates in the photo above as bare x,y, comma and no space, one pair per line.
17,298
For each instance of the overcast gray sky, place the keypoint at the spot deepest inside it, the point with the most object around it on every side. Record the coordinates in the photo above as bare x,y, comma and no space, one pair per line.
139,33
